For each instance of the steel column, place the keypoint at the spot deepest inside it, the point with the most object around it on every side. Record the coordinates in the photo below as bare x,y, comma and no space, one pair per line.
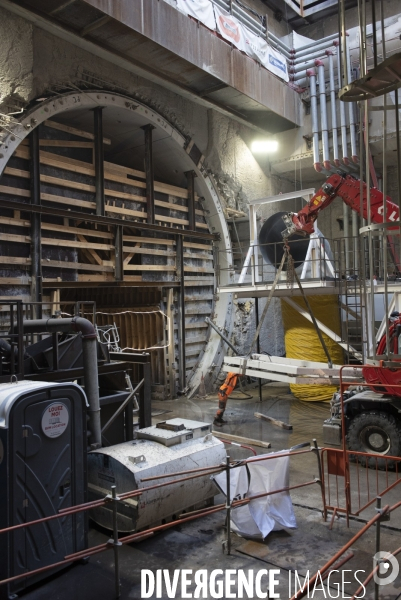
145,398
191,198
36,218
258,343
150,191
99,161
119,256
181,313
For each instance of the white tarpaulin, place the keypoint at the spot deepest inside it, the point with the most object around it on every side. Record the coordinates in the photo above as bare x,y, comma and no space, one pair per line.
254,46
260,50
229,28
199,9
262,515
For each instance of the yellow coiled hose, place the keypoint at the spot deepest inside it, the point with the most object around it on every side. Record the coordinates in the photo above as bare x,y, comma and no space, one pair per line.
302,341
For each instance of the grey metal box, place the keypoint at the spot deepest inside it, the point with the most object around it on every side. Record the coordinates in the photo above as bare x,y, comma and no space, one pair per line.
192,430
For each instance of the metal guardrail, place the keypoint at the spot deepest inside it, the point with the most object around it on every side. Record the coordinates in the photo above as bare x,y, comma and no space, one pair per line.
371,476
113,498
365,483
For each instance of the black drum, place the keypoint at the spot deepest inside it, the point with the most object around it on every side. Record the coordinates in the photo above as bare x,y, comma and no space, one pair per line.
271,242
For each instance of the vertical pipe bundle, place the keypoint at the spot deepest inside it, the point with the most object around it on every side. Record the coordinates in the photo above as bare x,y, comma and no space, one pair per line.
315,124
333,109
323,115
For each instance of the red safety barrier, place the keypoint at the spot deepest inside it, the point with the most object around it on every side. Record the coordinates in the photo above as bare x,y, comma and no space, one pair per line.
351,481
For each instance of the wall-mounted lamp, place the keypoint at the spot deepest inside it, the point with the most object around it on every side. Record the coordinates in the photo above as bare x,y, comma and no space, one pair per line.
264,146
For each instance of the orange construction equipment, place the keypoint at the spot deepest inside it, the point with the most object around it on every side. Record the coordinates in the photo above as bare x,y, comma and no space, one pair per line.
224,392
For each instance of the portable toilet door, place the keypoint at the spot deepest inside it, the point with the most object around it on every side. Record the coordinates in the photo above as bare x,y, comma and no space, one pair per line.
45,457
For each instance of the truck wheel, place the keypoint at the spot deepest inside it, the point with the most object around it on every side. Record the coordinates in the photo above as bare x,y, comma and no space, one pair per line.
376,433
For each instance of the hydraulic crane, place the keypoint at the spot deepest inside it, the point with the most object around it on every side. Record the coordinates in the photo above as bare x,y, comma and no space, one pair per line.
373,422
349,190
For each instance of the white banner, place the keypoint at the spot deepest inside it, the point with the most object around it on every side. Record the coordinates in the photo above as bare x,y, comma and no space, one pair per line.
260,50
254,46
229,28
202,10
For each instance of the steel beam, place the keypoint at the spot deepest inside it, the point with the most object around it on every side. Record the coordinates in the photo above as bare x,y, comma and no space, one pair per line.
191,198
181,312
90,218
150,180
118,253
99,161
36,236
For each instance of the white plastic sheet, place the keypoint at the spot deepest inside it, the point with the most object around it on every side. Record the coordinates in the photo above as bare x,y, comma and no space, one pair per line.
200,9
262,515
254,46
232,30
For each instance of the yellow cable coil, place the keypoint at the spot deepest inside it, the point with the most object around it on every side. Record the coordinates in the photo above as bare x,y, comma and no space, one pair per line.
302,341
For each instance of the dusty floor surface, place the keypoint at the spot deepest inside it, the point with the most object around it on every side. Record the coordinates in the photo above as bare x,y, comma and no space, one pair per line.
198,544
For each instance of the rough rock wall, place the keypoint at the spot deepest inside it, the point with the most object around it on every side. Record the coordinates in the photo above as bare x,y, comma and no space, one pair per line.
16,61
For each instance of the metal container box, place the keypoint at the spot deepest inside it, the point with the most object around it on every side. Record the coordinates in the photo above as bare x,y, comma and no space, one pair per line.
331,433
125,465
42,469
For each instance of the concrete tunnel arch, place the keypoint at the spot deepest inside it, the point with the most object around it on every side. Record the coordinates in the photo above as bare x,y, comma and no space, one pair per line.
71,102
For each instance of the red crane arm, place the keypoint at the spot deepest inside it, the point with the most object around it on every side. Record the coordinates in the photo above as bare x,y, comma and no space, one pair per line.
348,189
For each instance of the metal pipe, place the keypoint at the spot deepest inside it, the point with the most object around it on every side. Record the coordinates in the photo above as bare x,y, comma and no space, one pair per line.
187,472
351,110
228,505
258,344
89,347
384,238
378,509
223,337
374,31
346,215
315,125
382,30
248,21
315,53
116,543
123,405
343,63
355,230
317,47
307,65
333,109
279,47
343,120
333,36
323,115
239,445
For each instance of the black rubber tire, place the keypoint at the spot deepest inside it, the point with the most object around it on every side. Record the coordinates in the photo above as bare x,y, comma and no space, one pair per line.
375,432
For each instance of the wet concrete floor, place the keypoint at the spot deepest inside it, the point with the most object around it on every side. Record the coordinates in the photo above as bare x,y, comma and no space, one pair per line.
198,545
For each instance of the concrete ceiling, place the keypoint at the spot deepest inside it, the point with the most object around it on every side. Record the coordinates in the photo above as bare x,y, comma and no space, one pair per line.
169,48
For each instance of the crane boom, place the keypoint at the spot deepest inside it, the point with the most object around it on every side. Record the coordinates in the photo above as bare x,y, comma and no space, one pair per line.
349,190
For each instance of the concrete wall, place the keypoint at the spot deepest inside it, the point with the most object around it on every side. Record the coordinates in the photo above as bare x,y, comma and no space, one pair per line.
43,63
